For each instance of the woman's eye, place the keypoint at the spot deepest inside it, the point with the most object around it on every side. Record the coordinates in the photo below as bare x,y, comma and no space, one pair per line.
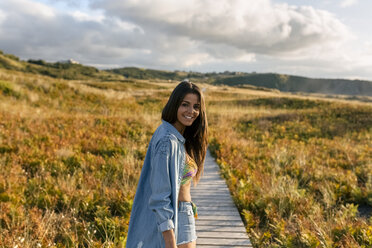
185,104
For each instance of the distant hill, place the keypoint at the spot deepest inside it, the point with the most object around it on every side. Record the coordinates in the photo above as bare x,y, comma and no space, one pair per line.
290,83
287,83
141,73
63,70
281,82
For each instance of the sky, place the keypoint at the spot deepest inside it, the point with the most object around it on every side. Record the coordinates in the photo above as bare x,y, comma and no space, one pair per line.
312,38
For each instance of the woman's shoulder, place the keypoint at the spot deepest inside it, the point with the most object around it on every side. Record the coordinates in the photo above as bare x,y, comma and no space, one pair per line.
163,135
164,139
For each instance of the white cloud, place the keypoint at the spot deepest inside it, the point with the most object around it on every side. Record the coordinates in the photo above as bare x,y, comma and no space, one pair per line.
29,8
83,16
200,35
249,57
86,36
2,16
348,3
254,26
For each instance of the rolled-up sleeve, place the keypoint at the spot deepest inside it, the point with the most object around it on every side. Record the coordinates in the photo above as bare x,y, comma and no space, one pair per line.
161,187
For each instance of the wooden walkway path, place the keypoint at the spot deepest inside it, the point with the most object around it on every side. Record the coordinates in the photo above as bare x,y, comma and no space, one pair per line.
218,223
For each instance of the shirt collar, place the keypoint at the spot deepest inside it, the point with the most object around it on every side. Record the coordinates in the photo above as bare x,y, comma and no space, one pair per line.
174,131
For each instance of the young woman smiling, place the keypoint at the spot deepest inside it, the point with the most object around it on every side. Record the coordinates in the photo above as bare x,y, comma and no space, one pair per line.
163,214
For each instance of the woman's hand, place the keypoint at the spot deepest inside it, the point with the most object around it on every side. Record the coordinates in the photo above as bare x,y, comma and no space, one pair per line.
170,239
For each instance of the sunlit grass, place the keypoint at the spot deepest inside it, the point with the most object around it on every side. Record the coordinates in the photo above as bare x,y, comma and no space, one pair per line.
71,153
297,174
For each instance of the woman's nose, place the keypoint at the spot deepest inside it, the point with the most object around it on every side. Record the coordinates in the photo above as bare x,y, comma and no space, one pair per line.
190,109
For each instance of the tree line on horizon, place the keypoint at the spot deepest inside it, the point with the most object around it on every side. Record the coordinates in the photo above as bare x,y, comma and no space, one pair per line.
281,82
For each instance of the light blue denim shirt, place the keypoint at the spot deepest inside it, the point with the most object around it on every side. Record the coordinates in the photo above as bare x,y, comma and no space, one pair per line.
155,204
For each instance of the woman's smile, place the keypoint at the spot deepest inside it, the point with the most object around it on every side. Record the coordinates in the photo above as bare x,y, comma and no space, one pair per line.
187,112
189,117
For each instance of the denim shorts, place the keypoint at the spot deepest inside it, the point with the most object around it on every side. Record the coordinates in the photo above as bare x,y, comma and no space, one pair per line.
186,223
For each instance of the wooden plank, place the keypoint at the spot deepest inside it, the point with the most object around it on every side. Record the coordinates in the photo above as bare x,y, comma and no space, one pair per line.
210,174
227,229
224,235
210,187
219,217
207,183
221,246
217,241
219,204
210,182
213,202
206,193
219,223
217,208
218,212
234,215
208,179
212,191
212,179
212,198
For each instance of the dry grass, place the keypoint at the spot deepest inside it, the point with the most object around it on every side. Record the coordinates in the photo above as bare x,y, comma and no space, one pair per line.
71,155
72,151
298,170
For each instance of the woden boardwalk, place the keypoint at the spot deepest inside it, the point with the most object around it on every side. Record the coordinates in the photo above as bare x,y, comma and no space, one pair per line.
218,223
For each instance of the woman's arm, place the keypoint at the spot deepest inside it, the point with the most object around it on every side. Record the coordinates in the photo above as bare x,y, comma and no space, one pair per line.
170,239
161,187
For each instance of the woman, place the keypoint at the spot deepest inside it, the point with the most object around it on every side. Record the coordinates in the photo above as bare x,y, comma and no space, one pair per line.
162,212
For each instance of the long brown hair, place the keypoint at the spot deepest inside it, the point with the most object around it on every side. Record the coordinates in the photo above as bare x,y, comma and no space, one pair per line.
195,135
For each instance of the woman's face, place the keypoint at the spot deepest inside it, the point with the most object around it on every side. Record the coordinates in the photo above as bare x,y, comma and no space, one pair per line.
188,111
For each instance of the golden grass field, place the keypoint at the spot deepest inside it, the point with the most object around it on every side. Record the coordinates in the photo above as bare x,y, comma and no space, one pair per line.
71,153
